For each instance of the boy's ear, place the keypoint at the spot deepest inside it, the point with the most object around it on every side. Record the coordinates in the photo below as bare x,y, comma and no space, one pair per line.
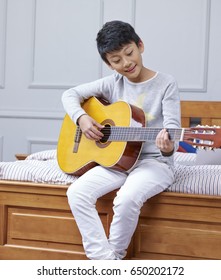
141,46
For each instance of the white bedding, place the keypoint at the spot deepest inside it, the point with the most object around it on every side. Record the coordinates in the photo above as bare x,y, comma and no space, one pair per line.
39,167
42,167
197,179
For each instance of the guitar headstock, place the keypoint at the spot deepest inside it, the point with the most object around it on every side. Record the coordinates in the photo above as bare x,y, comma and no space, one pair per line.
203,136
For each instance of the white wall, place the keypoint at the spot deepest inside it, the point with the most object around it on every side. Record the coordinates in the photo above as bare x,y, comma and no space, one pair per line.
47,46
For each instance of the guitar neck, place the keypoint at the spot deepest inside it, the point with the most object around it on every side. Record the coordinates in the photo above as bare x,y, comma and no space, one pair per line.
116,133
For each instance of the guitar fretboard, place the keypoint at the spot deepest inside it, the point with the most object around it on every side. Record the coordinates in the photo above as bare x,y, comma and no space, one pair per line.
116,133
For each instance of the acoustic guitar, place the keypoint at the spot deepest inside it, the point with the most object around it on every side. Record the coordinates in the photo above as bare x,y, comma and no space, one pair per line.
124,134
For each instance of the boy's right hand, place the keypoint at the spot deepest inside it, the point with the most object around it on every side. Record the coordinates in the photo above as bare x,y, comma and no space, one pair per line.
90,128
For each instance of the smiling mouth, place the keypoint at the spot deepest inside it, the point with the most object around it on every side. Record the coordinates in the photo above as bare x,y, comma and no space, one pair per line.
131,69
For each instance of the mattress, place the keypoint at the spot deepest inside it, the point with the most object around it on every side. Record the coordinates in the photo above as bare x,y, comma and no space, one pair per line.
42,167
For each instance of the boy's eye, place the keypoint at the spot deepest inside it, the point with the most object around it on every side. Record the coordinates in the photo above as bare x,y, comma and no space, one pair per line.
130,53
116,61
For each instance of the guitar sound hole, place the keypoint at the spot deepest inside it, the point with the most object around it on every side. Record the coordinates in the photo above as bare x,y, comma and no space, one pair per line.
106,131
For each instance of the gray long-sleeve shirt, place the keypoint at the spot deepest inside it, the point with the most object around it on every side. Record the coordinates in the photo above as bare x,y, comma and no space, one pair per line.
158,97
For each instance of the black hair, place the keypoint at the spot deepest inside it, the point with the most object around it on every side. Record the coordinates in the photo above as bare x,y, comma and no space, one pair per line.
113,36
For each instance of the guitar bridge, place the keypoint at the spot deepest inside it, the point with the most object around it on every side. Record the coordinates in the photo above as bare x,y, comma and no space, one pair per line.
77,139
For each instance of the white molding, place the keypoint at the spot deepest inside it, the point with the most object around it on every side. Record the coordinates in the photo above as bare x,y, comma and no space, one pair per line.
133,13
40,141
22,114
207,37
3,39
100,69
42,85
1,147
34,85
33,42
203,88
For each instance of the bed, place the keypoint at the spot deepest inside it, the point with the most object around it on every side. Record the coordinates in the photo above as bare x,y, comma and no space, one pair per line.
36,222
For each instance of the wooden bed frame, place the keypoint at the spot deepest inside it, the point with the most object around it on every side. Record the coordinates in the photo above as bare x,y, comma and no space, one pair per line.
36,222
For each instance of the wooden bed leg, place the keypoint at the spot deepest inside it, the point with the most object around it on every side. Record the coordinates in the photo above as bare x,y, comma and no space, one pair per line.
3,224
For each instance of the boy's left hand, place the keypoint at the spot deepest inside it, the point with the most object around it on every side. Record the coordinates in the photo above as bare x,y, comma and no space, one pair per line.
163,142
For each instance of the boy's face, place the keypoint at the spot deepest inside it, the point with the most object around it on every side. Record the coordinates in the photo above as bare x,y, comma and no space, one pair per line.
128,61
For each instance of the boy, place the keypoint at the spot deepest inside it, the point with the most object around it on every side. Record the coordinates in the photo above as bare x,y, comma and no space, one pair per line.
157,94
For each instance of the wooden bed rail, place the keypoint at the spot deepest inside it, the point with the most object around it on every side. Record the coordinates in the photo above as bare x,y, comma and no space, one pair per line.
36,223
208,113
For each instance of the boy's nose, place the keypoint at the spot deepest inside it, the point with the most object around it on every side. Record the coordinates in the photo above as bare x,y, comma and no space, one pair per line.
126,62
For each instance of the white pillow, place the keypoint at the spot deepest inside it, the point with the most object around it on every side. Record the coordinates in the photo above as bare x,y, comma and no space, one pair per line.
43,155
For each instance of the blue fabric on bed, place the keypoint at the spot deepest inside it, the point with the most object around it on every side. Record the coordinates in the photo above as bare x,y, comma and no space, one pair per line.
186,148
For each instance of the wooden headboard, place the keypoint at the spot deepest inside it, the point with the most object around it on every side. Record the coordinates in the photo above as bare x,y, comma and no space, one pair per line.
200,112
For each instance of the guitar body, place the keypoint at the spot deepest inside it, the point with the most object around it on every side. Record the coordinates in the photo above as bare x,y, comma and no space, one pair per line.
77,158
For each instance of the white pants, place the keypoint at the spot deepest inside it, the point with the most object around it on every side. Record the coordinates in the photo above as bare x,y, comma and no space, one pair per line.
148,178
